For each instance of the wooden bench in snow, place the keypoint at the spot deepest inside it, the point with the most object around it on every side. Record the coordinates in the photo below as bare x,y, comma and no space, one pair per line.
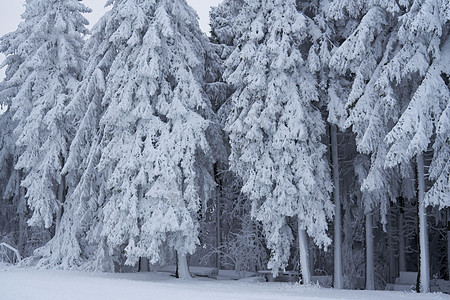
440,285
237,275
283,276
293,276
405,282
196,271
204,271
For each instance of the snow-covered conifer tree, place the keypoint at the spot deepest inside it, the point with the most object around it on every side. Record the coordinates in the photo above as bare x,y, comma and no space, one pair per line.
423,58
13,207
369,116
425,51
145,164
328,89
275,127
365,29
405,38
44,63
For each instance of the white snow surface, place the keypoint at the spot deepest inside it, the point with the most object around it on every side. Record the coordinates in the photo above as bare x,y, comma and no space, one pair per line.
66,285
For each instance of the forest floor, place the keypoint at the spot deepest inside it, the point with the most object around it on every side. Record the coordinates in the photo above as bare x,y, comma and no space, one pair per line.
22,284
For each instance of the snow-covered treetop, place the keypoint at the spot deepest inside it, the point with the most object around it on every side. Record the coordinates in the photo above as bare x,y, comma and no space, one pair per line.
223,18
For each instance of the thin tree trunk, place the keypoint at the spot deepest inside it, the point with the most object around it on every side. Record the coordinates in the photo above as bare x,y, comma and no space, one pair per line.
304,261
370,273
176,265
448,243
61,200
338,282
401,237
182,266
218,212
424,279
144,264
392,265
21,210
311,259
218,233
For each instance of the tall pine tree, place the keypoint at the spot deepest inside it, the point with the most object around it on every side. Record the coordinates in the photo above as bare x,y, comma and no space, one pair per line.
275,127
44,63
147,164
390,81
423,58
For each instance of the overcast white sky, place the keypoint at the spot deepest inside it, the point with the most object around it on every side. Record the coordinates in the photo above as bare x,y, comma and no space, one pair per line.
10,11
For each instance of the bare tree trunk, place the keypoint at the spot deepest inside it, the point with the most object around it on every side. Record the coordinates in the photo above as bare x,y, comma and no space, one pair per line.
448,242
370,272
338,282
304,260
392,263
144,263
61,200
21,210
424,280
401,237
218,213
182,266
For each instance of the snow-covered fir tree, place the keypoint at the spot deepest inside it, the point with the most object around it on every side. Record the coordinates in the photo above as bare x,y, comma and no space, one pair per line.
362,27
361,57
44,63
238,234
275,127
404,39
423,58
319,56
146,168
14,213
80,236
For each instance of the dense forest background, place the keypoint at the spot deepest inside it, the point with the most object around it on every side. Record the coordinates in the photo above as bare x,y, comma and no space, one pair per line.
302,135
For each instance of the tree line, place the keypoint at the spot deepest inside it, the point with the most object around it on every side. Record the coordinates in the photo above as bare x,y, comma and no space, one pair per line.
297,128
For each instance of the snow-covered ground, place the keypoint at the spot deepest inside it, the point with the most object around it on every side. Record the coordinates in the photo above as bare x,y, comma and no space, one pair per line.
22,284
